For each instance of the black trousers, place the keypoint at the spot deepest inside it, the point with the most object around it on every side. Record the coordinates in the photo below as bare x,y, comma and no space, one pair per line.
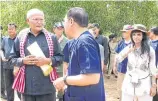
155,98
46,97
2,80
9,79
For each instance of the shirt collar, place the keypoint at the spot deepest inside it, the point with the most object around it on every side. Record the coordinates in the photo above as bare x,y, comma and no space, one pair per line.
13,38
30,33
61,38
127,42
154,41
97,37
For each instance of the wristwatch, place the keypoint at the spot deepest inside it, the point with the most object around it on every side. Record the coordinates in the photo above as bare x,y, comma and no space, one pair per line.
64,79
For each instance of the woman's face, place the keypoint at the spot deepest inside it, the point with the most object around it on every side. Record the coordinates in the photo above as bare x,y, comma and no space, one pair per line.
137,37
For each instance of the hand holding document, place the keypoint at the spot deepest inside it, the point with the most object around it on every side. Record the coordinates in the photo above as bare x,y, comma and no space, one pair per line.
35,50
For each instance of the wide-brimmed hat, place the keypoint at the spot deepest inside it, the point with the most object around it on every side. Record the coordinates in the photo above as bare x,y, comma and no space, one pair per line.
139,27
127,28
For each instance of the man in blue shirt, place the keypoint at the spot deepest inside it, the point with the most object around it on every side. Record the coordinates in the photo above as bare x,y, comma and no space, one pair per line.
84,79
122,67
7,44
2,70
154,43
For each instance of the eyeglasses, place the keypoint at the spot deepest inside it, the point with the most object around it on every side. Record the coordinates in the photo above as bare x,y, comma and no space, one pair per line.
36,20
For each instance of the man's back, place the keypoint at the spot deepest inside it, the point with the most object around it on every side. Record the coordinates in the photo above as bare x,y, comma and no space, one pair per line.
85,59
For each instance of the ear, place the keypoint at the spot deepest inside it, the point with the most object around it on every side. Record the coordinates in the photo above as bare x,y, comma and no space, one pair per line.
72,21
27,21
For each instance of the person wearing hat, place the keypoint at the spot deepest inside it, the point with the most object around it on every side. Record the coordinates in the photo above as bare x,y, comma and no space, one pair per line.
154,43
121,68
102,40
137,84
58,30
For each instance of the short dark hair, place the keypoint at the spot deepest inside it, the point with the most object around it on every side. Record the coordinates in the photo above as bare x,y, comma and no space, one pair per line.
113,35
12,24
96,25
154,30
79,15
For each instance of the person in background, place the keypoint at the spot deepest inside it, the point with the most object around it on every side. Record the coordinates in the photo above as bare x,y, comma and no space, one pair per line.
91,30
7,45
154,43
3,95
58,30
102,40
112,45
121,69
84,79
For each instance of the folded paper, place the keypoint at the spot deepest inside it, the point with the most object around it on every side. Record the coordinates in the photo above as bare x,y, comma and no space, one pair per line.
35,50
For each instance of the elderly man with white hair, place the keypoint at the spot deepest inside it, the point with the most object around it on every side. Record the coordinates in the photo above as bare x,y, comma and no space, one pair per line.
36,73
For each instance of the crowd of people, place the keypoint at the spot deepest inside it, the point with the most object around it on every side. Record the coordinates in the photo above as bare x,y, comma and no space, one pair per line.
69,63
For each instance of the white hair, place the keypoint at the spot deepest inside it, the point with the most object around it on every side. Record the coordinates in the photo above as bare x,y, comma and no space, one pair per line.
33,12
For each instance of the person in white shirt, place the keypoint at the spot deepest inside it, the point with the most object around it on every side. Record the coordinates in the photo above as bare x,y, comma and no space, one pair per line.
138,84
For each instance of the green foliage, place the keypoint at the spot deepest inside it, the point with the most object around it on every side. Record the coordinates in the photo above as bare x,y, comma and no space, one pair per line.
111,15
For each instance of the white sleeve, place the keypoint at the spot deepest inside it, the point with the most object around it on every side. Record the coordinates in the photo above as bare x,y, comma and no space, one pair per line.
123,54
101,52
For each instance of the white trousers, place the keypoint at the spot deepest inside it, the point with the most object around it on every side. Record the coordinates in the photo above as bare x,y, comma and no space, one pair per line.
126,97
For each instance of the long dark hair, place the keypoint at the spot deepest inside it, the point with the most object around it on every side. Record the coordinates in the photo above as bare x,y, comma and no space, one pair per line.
145,48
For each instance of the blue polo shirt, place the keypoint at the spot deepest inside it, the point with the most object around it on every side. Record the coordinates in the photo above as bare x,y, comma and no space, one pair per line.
67,49
84,58
154,44
122,67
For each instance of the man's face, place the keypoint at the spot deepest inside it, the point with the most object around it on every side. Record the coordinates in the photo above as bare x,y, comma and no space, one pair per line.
126,34
68,27
151,35
92,32
58,31
11,30
96,31
36,22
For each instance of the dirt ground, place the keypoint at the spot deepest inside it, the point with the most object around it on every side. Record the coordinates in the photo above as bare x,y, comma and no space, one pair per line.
110,89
